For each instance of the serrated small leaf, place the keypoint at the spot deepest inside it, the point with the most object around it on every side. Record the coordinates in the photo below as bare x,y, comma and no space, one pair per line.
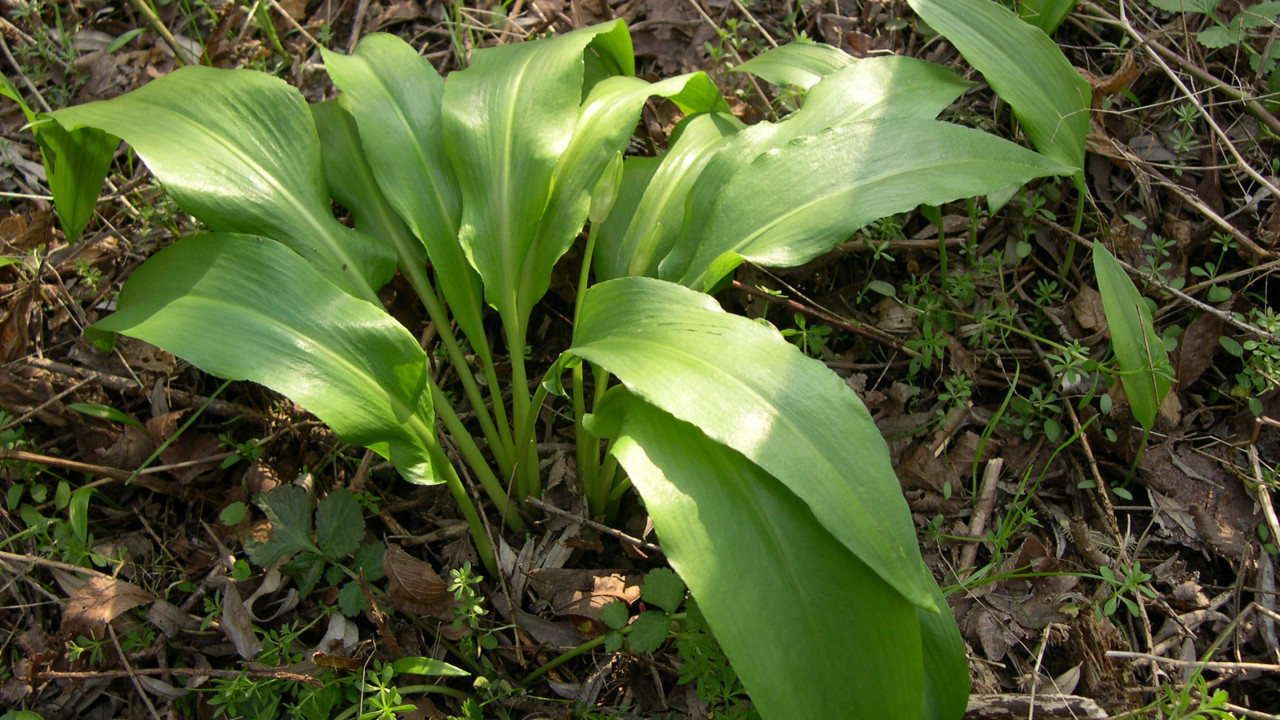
339,524
351,599
368,558
613,641
308,569
288,507
648,631
1217,36
663,588
233,513
614,614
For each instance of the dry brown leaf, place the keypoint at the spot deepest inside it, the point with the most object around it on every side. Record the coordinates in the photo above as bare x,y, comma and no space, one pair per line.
581,593
98,601
1196,349
415,588
1087,307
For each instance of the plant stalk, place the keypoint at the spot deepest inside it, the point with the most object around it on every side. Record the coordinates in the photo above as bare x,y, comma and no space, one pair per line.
499,442
475,459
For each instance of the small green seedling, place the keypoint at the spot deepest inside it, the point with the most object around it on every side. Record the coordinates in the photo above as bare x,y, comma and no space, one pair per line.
336,553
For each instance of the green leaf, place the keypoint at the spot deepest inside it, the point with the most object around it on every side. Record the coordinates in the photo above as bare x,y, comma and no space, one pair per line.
352,184
649,212
75,164
721,519
232,514
1024,67
1201,6
247,308
105,412
238,149
1144,362
288,507
351,599
663,588
426,666
614,614
747,387
78,513
648,631
1217,36
605,123
339,524
507,118
395,97
845,177
368,559
799,64
1045,14
21,715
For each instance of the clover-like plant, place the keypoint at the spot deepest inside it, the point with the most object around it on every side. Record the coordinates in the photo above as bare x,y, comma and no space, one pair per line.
767,481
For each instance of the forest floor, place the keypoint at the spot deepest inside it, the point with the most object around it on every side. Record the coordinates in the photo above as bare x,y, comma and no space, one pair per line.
1135,579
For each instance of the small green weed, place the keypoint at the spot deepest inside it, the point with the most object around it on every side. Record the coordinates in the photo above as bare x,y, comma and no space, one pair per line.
336,554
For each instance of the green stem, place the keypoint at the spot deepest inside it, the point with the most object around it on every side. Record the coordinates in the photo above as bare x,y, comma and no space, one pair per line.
524,452
499,445
475,459
561,659
1075,226
588,451
469,513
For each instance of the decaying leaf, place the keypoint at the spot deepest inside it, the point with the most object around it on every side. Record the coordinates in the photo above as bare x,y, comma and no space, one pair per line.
581,593
98,601
415,587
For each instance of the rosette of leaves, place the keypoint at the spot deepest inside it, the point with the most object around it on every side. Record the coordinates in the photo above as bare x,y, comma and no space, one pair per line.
769,486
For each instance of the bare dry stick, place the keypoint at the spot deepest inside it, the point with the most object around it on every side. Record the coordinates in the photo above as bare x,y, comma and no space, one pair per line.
191,672
1206,665
981,512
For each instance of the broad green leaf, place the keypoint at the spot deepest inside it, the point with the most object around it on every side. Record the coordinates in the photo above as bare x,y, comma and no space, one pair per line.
801,64
105,412
238,149
426,666
352,184
8,90
1140,352
247,308
288,507
1024,67
507,119
946,668
878,88
339,524
748,388
649,213
1045,14
75,164
395,96
605,123
843,178
815,633
889,86
1200,6
869,88
78,513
